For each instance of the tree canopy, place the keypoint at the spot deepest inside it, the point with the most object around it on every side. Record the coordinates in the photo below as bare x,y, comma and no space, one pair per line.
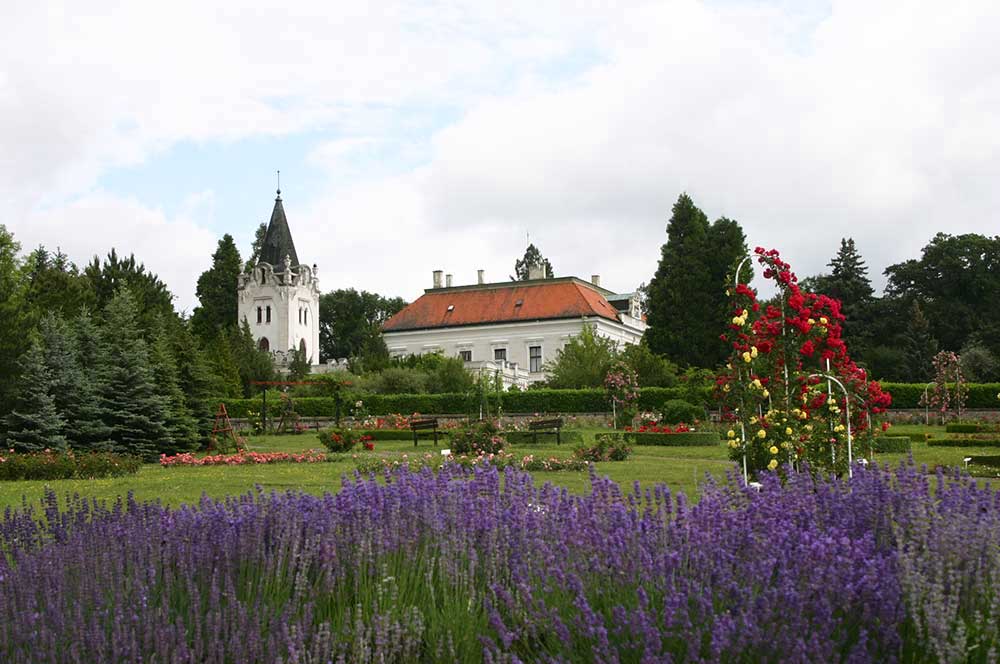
532,256
350,322
217,291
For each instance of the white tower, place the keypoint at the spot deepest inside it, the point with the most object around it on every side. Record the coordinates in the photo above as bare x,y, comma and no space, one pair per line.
279,298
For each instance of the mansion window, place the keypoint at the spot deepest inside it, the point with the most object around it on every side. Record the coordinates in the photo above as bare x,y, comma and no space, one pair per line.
263,344
300,315
465,355
534,359
500,354
268,314
260,315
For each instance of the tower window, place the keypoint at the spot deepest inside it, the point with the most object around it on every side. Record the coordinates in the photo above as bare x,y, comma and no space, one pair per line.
260,314
300,315
269,313
264,344
305,316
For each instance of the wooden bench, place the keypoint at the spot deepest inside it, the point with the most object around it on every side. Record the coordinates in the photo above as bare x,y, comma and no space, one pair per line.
545,426
424,425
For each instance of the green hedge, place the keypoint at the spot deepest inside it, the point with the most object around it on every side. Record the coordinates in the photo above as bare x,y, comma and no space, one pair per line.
892,444
966,427
904,395
964,442
907,395
992,461
400,434
525,437
64,466
687,439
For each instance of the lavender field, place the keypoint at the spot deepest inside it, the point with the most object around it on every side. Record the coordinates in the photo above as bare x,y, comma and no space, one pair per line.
479,565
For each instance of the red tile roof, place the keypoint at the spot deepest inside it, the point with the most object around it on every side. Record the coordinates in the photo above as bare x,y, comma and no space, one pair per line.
496,303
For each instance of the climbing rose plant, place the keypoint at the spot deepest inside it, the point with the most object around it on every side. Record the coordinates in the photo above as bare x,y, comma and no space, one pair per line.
622,386
781,411
948,391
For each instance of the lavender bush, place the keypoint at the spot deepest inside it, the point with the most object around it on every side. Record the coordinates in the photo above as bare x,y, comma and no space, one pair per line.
478,565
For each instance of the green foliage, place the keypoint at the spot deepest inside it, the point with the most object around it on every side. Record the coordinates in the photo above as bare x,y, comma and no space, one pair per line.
217,291
583,362
151,296
54,286
225,373
65,466
687,295
34,423
195,377
256,247
964,442
136,411
567,436
299,367
891,444
339,440
919,345
477,438
253,364
678,411
13,317
652,369
969,427
979,364
532,257
350,325
182,428
685,439
606,447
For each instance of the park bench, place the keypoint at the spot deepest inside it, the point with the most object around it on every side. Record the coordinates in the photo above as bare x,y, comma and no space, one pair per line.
424,425
545,426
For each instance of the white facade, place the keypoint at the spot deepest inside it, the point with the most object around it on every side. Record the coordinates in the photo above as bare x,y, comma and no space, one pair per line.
527,345
282,308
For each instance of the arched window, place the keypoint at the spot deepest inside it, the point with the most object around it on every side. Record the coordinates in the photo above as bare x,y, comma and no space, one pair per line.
305,316
268,313
302,347
264,344
300,315
260,313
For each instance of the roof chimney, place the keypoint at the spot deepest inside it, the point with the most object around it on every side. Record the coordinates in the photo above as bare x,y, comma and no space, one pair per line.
437,278
595,279
481,276
447,281
536,272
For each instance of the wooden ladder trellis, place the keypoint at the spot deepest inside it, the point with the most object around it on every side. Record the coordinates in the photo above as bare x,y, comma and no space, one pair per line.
224,426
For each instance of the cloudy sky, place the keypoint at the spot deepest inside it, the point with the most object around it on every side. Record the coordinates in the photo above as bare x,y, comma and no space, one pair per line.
438,135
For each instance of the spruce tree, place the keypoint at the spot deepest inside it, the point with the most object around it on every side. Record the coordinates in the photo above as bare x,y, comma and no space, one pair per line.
13,317
224,368
34,424
254,364
687,300
137,413
196,378
73,390
91,431
180,423
532,256
848,280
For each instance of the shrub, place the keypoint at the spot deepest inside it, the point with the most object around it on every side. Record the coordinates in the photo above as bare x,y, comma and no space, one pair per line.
552,464
606,447
527,437
675,411
477,438
892,444
968,427
66,465
687,439
964,442
340,440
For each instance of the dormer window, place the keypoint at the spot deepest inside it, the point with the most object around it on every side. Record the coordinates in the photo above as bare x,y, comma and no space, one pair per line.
451,307
519,303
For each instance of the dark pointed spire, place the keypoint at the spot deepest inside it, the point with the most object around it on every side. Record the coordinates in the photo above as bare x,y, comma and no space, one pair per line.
278,239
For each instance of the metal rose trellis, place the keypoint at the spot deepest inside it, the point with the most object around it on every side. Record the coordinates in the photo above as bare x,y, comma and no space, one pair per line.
790,390
622,385
948,391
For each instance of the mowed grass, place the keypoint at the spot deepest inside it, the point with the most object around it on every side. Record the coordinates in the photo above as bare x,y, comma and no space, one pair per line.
683,469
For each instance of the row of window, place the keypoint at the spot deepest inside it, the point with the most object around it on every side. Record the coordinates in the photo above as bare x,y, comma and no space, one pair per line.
264,344
264,315
500,355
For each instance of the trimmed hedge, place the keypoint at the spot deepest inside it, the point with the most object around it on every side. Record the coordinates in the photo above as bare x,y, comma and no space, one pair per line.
401,434
687,439
525,437
67,465
967,427
907,395
904,395
892,444
964,442
991,461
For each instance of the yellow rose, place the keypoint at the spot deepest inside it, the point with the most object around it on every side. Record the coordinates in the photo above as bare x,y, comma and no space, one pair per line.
733,444
762,434
765,394
773,464
745,313
756,383
773,450
753,351
788,431
822,320
725,388
753,419
812,322
731,434
746,356
737,320
809,427
803,415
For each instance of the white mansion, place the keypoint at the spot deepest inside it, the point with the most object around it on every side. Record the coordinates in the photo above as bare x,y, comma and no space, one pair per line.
279,298
514,327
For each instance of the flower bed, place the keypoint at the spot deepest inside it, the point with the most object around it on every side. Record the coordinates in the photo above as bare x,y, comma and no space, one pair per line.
682,439
495,568
49,465
244,458
606,447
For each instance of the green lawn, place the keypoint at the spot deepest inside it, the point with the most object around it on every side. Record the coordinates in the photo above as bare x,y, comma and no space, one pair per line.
681,468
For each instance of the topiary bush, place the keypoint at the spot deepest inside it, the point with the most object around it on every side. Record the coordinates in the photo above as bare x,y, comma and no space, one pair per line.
676,411
477,438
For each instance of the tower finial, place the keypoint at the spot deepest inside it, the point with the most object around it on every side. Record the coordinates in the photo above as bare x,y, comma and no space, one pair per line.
279,184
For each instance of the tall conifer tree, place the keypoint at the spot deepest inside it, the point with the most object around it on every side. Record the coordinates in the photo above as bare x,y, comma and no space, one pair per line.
137,412
217,291
34,423
179,421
